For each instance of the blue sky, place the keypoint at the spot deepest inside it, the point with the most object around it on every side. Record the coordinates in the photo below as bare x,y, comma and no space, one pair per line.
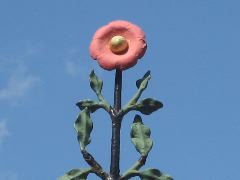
193,53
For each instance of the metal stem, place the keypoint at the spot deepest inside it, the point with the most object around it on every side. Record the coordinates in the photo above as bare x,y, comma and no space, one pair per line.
116,127
96,167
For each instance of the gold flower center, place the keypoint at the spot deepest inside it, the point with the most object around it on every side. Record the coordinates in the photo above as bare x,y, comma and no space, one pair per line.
118,44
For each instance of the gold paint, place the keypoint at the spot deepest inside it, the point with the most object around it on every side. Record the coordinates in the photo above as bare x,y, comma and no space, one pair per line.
118,44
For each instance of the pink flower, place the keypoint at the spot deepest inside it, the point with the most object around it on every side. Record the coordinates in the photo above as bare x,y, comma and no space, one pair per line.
118,45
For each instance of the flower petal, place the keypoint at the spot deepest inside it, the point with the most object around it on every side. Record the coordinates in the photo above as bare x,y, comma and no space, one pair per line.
100,50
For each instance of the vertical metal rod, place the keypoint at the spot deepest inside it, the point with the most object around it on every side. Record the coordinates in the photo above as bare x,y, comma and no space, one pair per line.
116,127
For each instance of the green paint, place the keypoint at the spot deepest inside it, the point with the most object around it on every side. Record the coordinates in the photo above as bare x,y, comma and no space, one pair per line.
76,174
140,135
83,125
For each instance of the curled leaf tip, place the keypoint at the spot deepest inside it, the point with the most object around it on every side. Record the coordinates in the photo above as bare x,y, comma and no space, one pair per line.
137,119
146,77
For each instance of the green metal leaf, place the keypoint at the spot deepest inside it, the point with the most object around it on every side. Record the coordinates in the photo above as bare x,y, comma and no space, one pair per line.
141,85
84,126
154,174
148,174
148,106
140,135
76,174
95,83
130,174
143,82
91,105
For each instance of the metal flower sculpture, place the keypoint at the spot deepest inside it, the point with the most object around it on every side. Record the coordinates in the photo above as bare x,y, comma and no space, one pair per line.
118,46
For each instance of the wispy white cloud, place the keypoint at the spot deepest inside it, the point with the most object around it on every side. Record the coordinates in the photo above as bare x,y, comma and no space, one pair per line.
73,64
72,68
77,68
4,133
77,65
17,81
18,86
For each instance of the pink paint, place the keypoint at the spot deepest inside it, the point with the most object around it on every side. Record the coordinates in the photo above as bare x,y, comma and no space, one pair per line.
100,49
